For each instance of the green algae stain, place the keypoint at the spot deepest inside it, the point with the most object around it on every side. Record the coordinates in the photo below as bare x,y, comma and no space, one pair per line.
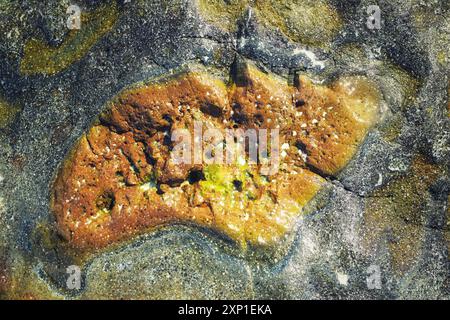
305,21
217,179
220,179
7,113
223,14
41,58
309,22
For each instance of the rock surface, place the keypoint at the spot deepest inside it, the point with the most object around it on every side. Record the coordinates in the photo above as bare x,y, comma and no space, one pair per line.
379,228
121,178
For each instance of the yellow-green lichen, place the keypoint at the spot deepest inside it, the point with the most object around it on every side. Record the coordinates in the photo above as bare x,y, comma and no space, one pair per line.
222,13
41,58
305,21
221,179
8,113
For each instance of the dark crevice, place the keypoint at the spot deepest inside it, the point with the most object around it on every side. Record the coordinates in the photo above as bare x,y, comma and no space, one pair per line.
106,201
148,157
299,103
302,147
90,145
131,162
238,72
237,185
239,117
259,119
211,109
196,176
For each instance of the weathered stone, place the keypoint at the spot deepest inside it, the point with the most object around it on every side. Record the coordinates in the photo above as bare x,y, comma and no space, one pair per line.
7,113
176,265
386,210
108,188
41,58
403,229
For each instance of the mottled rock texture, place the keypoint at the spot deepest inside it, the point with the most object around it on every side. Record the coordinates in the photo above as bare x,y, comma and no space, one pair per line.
121,179
370,111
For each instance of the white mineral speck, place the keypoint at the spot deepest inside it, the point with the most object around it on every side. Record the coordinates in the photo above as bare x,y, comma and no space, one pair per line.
342,278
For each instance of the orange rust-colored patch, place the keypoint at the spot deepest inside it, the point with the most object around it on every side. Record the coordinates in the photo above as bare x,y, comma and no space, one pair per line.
119,180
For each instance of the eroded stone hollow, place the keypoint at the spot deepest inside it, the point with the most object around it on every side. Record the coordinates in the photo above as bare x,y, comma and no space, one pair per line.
119,179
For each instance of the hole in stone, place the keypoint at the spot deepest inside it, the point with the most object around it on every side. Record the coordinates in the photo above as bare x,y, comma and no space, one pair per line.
238,72
105,201
211,109
168,118
167,140
259,119
196,176
301,146
299,103
240,118
237,185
